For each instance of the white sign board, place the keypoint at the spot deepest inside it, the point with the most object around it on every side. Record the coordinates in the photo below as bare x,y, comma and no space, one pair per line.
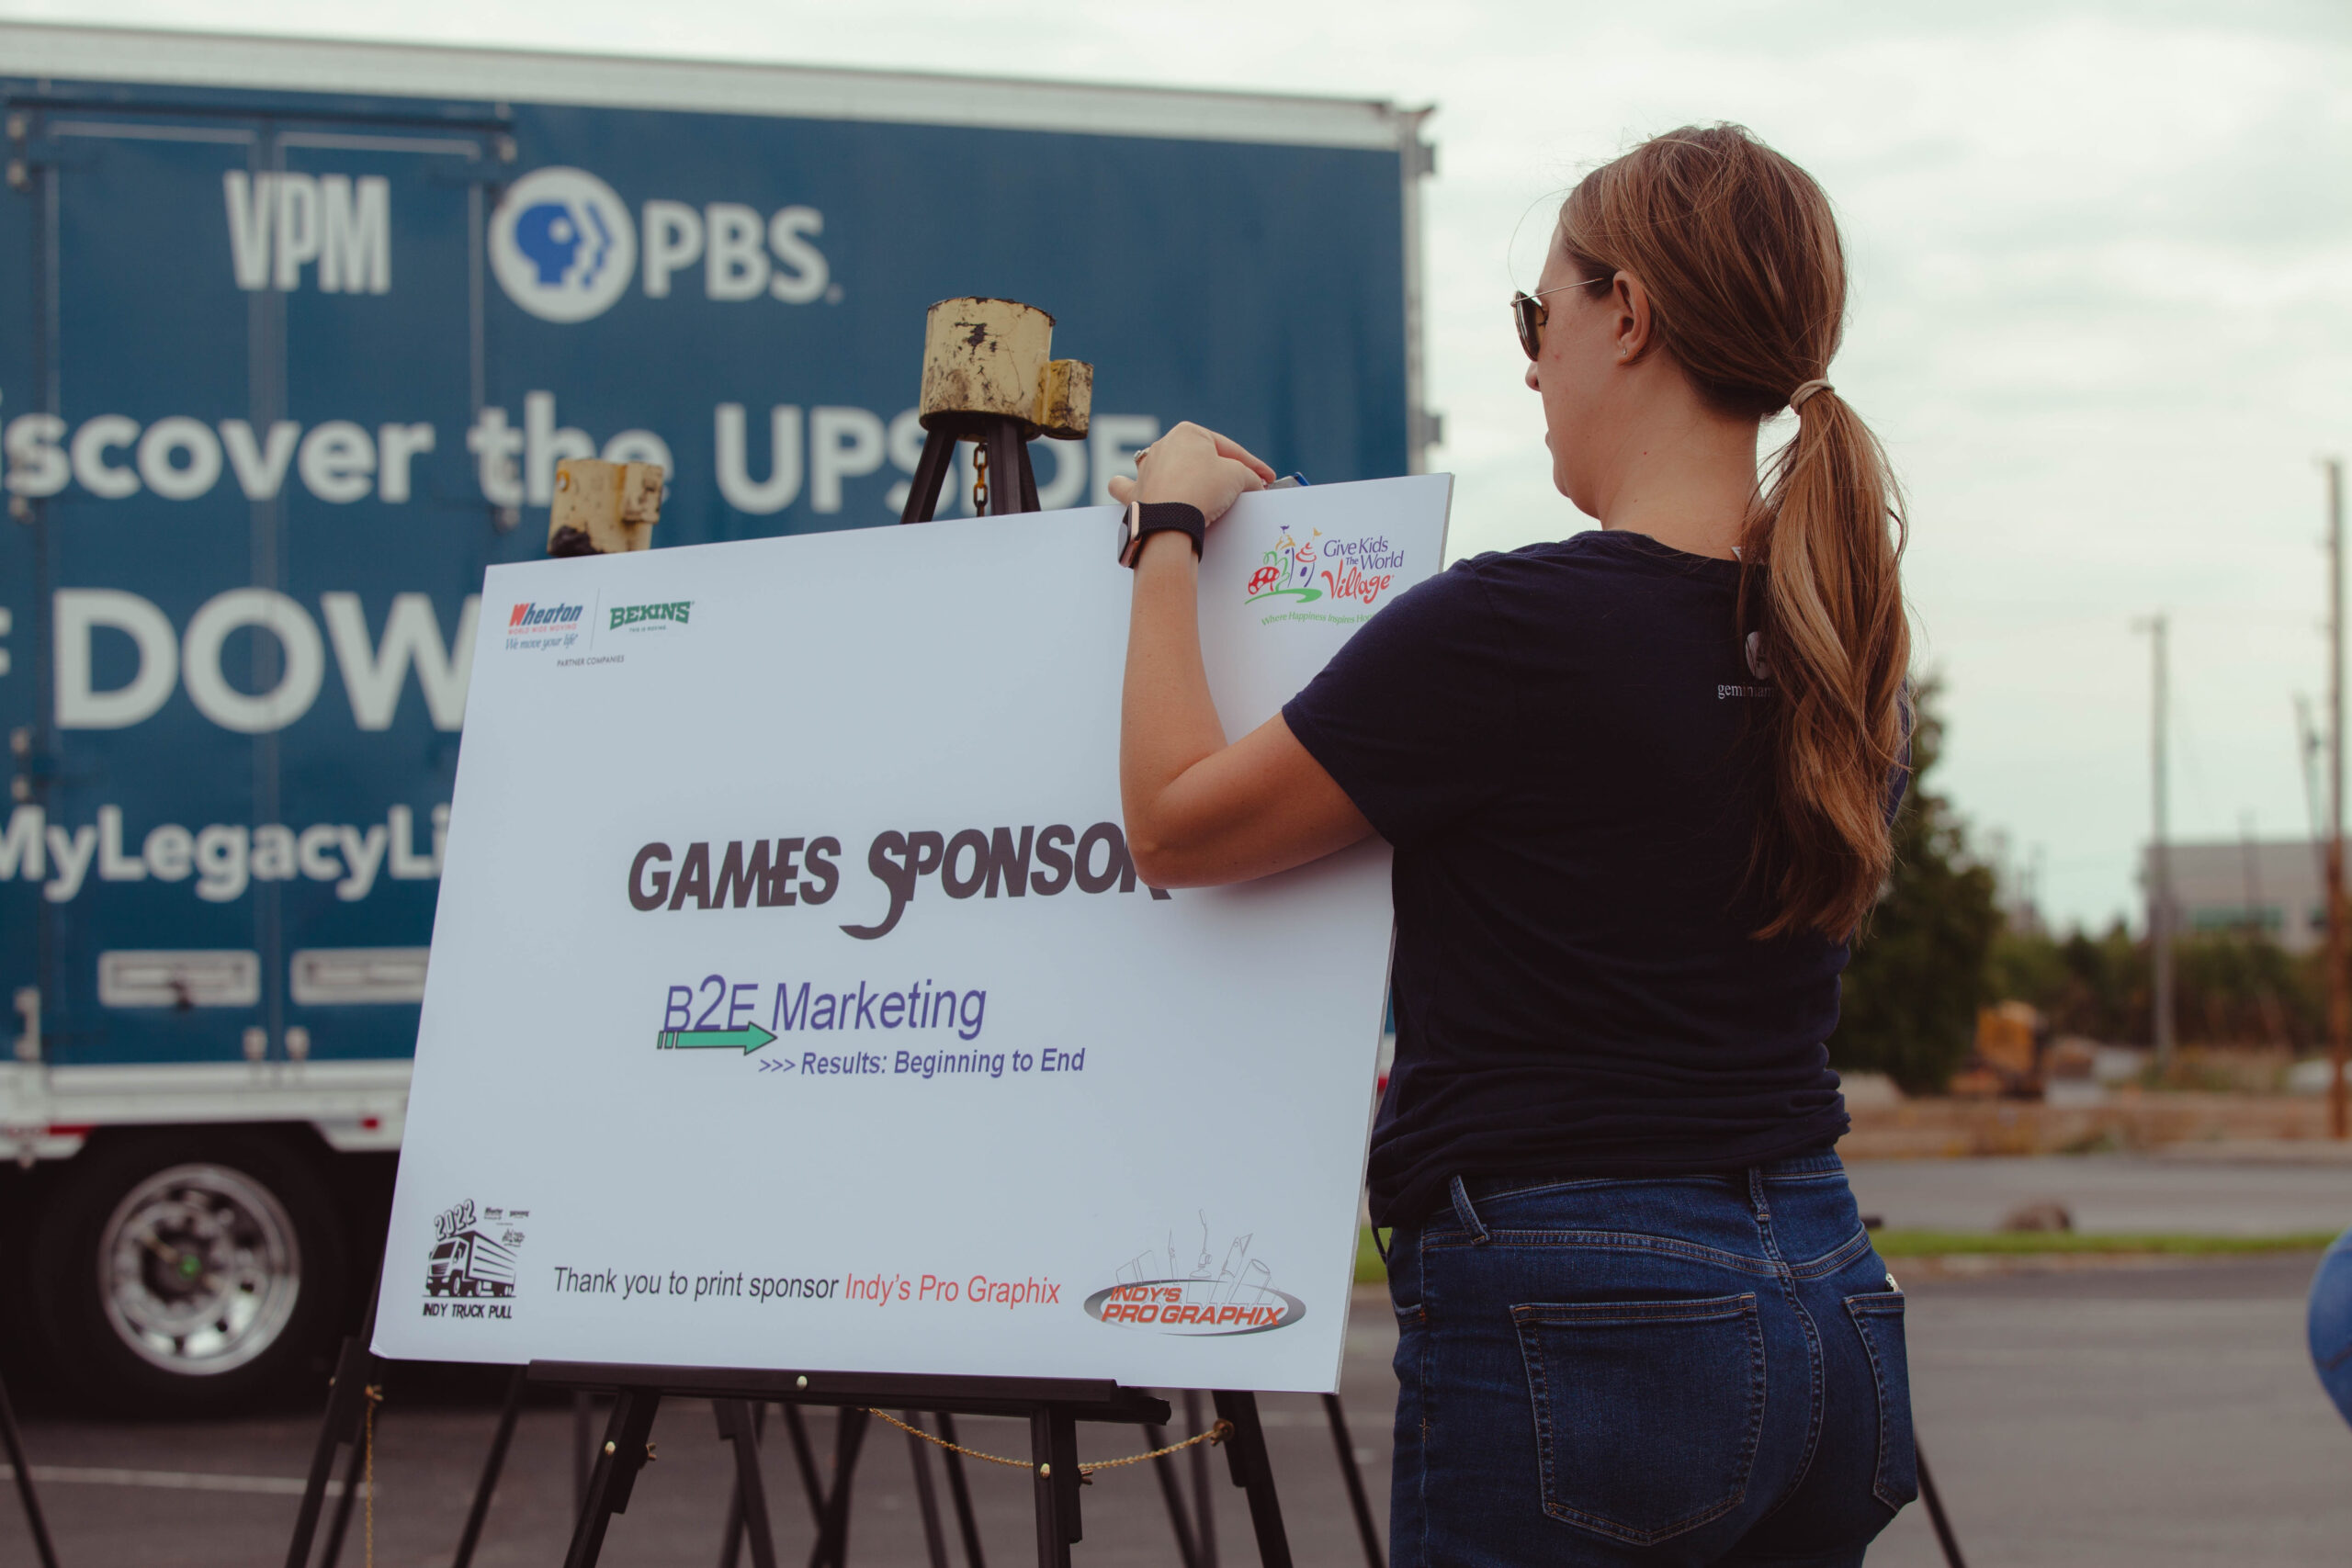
793,1003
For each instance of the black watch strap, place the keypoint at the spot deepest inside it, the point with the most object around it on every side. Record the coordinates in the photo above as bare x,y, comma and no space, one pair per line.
1145,519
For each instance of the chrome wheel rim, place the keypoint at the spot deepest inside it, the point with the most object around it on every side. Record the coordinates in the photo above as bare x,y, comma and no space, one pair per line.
198,1269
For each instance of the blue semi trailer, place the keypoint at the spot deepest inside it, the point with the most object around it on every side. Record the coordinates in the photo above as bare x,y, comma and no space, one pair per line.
295,335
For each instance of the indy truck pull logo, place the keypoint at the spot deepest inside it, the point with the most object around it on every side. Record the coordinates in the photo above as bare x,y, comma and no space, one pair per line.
473,1255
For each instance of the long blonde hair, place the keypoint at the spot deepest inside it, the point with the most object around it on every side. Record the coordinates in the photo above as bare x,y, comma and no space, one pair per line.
1739,252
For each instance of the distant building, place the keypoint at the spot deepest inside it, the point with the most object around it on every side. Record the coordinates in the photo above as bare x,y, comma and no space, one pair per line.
2272,886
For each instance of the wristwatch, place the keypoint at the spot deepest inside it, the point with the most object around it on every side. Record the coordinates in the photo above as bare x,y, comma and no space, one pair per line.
1143,520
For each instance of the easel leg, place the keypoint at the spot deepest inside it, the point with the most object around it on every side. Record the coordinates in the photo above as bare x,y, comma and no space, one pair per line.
1354,1478
615,1474
918,1459
930,473
1053,1444
25,1493
351,1482
1929,1494
584,1447
833,1538
733,1538
1172,1492
496,1462
747,1513
1203,1497
967,1524
1008,463
800,1458
1254,1474
346,1402
1028,477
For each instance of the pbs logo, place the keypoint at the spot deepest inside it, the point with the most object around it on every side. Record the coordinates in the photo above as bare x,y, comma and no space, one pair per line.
562,245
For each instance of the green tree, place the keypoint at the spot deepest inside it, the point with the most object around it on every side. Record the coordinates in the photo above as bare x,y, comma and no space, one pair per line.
2231,987
1920,968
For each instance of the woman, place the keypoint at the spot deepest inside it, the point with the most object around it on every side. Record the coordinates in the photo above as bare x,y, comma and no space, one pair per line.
1638,785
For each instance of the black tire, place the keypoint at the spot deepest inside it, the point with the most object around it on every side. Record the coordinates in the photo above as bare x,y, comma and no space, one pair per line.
189,1272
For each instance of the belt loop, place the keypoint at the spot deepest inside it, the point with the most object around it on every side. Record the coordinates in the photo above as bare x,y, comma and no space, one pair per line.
1468,1215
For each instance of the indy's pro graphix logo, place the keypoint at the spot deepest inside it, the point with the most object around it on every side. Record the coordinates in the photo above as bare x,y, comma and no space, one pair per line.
1209,1298
562,244
472,1266
1359,570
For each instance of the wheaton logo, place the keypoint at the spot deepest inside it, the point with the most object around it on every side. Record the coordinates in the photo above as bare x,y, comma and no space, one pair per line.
529,616
636,615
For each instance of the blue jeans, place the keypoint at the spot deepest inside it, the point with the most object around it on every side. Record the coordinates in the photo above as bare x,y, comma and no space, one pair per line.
1688,1369
2331,1323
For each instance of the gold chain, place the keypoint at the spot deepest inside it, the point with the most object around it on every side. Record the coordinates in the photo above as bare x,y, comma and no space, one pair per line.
980,478
1216,1434
374,1393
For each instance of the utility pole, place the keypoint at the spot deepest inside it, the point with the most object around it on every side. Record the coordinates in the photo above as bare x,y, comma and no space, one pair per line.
2159,856
2339,985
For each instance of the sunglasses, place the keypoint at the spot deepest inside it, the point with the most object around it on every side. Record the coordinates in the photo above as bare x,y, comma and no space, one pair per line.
1530,312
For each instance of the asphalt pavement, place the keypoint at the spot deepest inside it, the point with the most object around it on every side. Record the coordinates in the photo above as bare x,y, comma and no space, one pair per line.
2112,1193
2159,1413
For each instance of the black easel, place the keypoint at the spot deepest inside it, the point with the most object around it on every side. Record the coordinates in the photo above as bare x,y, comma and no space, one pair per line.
1052,1406
1929,1496
1945,1539
346,1421
34,1522
1001,459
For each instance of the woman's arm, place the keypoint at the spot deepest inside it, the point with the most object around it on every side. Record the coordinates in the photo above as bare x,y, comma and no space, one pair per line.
1200,812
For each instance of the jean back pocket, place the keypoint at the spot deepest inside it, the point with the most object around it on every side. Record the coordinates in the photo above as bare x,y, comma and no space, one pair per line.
1646,1413
1878,1318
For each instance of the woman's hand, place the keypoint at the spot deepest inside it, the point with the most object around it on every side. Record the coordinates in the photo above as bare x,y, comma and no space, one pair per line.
1198,811
1196,467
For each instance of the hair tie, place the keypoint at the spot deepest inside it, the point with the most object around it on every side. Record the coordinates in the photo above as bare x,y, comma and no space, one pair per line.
1797,398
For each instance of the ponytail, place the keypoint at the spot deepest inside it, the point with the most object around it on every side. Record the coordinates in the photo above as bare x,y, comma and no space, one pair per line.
1820,595
1739,251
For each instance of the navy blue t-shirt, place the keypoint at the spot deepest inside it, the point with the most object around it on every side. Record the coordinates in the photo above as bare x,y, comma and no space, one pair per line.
1556,742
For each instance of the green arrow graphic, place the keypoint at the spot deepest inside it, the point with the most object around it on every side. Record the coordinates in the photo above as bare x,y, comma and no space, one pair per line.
751,1037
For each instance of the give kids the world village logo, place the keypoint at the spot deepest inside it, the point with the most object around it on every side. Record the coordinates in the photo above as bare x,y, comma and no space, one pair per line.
1347,571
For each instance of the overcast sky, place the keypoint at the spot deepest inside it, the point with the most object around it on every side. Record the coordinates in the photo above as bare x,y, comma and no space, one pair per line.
2101,305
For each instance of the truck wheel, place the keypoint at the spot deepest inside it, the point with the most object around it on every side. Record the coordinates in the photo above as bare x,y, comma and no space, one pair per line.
188,1272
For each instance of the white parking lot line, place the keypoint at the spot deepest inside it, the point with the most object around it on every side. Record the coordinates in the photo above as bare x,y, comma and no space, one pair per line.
167,1480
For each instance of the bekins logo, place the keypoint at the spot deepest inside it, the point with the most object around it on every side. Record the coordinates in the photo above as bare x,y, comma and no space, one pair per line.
562,245
652,617
1209,1301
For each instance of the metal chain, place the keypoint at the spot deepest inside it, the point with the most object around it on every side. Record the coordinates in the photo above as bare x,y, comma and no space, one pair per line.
374,1393
980,478
1216,1434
